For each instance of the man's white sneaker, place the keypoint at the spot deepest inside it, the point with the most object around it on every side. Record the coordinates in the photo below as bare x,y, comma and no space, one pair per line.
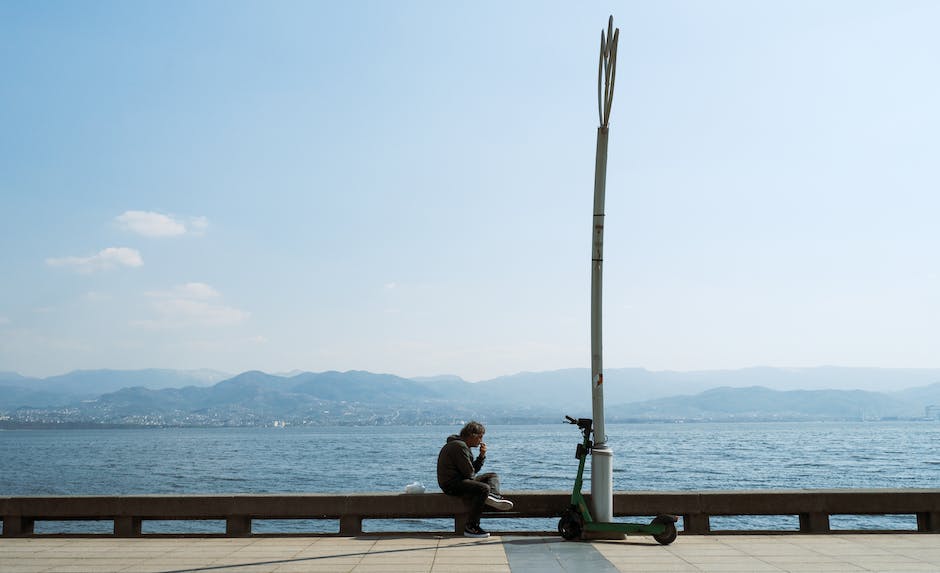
498,502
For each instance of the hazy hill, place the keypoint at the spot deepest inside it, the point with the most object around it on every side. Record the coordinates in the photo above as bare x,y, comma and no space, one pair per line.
12,397
763,403
140,401
927,395
96,382
18,391
361,386
344,395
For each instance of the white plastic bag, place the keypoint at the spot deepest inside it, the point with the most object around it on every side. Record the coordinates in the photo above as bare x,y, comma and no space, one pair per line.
414,487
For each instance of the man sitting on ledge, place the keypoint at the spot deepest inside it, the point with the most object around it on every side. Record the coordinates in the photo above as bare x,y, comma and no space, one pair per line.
457,476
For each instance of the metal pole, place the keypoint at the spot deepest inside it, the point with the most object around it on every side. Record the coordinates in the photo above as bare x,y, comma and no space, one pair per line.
601,454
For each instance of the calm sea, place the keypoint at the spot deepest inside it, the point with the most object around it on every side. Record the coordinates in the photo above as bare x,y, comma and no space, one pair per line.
539,457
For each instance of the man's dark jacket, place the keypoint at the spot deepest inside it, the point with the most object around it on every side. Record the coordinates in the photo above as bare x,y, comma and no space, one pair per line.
455,463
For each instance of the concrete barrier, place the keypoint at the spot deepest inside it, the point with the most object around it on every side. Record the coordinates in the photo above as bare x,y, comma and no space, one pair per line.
814,507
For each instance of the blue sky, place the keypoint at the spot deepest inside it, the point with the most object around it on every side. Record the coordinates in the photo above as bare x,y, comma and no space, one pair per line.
407,187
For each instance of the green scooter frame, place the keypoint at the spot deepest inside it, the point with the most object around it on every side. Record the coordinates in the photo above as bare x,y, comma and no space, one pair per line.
577,520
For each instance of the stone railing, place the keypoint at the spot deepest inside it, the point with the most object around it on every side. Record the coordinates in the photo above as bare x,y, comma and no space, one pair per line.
814,507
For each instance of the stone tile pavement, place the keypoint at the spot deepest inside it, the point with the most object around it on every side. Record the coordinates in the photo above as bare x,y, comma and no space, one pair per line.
448,554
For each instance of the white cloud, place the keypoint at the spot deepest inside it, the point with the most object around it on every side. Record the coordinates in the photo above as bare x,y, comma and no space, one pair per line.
187,291
106,259
152,224
197,290
190,305
198,226
198,312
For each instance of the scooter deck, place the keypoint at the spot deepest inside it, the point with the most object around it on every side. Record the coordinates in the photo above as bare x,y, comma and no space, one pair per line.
648,529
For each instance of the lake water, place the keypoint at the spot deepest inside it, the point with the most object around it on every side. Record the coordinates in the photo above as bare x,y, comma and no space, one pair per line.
539,457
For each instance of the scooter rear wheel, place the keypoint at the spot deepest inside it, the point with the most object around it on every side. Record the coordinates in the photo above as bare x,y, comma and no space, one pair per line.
570,525
667,536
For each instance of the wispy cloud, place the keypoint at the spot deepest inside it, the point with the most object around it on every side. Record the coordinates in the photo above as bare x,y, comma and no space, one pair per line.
106,259
200,291
153,224
197,226
190,305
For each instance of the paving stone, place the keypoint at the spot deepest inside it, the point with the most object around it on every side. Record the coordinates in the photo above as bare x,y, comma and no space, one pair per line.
515,554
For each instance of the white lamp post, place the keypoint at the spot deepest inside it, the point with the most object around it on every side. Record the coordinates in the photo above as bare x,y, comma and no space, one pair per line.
602,455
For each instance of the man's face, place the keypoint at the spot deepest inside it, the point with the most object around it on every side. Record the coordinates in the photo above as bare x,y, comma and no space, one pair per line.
473,440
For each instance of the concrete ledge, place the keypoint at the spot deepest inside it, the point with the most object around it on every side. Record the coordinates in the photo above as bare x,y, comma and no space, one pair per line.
814,507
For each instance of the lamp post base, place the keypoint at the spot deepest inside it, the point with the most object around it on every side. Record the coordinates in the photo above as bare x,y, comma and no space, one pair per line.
602,477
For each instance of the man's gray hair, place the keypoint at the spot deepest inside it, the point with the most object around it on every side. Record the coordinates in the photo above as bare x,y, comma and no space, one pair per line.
472,428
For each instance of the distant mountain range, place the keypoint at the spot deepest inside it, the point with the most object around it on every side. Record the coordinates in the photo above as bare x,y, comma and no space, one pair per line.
203,397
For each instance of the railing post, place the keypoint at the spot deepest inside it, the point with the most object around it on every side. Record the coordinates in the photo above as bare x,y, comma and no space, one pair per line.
814,522
460,522
696,524
127,526
238,526
928,522
17,526
350,525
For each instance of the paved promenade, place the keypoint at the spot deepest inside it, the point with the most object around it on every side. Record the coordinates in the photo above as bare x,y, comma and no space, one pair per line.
440,554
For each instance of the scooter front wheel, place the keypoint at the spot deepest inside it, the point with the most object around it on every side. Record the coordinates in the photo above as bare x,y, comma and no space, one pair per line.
570,525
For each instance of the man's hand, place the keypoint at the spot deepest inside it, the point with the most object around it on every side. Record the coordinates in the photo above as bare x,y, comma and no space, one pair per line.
482,449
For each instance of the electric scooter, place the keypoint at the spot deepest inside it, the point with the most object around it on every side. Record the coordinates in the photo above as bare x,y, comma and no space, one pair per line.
577,520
